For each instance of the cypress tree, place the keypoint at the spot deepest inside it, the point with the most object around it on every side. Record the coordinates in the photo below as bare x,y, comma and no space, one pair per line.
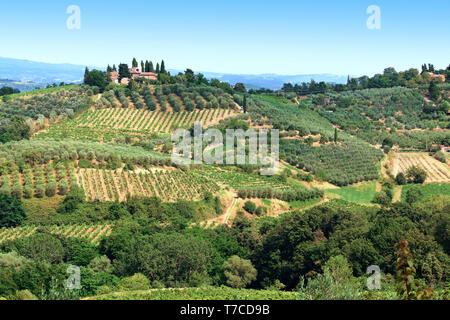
434,91
152,69
335,135
147,68
142,65
135,63
244,104
86,74
108,69
163,67
157,68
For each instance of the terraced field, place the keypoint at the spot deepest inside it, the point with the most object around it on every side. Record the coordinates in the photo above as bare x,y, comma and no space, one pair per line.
169,185
92,233
145,120
437,171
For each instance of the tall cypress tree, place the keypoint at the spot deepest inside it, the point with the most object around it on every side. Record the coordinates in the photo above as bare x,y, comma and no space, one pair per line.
244,104
335,135
147,68
135,63
157,68
163,67
434,91
114,67
142,65
152,69
86,74
108,69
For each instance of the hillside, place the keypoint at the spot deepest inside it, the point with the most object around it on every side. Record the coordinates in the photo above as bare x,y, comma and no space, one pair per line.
89,176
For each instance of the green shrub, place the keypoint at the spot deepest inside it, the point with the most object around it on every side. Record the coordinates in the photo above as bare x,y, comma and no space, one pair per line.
261,211
250,207
440,156
50,190
40,191
84,163
413,195
414,174
63,188
135,282
400,179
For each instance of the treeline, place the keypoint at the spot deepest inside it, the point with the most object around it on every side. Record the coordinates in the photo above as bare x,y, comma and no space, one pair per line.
297,194
389,78
8,90
101,79
27,153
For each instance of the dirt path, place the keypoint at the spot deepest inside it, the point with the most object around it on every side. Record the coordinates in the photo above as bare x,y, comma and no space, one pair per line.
229,211
397,194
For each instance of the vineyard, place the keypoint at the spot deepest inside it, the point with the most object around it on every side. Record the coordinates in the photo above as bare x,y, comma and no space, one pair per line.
43,180
145,120
237,179
91,233
436,171
169,185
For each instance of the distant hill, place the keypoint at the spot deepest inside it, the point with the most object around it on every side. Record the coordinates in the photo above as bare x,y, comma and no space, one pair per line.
40,72
274,81
22,86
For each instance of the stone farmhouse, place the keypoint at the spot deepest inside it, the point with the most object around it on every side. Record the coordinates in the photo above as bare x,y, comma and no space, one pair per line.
135,73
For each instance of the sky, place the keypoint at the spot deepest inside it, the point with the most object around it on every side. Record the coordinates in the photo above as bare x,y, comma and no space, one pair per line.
232,36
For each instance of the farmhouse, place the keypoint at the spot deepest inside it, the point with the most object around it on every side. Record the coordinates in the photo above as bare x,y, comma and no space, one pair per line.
435,76
114,75
136,73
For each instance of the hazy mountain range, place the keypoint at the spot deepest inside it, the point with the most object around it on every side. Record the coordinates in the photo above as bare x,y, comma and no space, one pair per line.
43,73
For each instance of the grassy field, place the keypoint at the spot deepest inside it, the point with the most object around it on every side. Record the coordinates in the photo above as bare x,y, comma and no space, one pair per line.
361,193
304,204
428,190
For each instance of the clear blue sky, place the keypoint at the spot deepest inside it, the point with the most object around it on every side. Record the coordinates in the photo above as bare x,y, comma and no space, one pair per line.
233,36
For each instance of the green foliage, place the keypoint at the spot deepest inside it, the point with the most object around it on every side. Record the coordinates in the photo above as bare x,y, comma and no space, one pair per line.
400,179
335,283
101,264
239,272
96,78
136,282
415,174
413,195
250,207
12,213
408,287
203,293
16,129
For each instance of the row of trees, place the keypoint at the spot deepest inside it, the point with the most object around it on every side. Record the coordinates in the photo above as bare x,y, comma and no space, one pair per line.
389,78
